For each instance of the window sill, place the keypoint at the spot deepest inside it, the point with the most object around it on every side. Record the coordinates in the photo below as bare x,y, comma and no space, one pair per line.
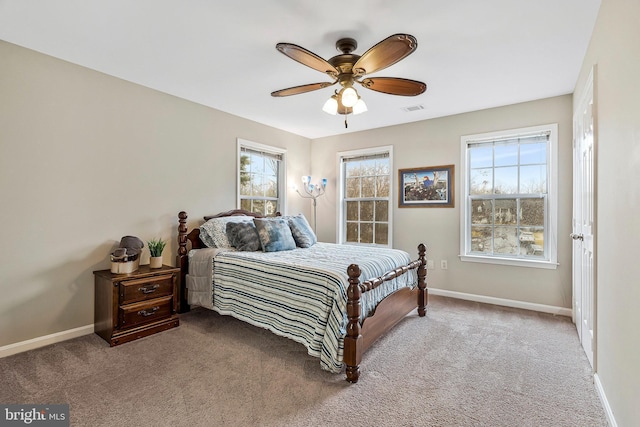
549,265
371,245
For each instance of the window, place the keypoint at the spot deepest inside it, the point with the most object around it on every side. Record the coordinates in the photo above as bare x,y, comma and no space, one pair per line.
510,188
365,193
260,177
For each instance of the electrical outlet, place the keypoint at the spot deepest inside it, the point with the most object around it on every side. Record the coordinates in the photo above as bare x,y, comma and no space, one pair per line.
430,264
443,264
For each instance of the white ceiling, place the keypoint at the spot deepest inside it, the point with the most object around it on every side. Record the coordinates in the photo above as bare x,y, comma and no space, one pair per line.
471,54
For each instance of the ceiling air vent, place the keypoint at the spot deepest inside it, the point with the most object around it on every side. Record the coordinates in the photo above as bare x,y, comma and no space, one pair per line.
413,108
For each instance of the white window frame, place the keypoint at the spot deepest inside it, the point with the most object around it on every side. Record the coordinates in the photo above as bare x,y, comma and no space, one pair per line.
551,215
341,229
282,175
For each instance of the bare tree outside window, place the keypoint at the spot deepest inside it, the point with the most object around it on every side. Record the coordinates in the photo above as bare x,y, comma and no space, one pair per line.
259,181
507,190
366,185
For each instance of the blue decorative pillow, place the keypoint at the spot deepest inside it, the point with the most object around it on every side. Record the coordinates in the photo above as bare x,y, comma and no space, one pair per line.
275,234
302,232
243,236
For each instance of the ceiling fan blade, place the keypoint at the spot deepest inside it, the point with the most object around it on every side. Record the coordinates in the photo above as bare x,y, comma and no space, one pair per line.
307,58
394,86
302,89
386,53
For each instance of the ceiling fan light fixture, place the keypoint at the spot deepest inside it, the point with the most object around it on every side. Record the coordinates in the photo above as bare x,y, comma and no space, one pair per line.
360,107
331,106
347,68
349,97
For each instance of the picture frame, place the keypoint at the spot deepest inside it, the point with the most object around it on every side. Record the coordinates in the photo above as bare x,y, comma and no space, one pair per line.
427,187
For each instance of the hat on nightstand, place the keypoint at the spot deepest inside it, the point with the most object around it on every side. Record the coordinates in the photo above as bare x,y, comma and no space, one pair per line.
128,250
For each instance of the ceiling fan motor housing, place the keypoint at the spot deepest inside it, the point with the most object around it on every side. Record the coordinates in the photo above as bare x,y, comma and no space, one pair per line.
344,64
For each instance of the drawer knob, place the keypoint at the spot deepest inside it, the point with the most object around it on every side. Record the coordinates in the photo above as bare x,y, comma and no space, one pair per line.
150,312
148,289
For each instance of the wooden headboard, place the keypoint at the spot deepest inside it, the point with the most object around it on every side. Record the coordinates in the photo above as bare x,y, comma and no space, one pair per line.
192,237
235,212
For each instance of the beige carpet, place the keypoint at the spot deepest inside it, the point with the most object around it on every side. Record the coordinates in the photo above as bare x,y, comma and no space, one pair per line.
465,364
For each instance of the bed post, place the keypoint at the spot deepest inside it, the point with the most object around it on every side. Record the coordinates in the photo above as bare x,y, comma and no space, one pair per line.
182,262
423,295
353,340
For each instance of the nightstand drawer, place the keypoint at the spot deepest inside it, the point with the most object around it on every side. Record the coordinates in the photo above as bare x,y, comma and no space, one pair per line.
144,289
145,312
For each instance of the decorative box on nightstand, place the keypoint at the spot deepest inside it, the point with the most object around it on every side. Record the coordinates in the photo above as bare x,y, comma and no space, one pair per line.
134,305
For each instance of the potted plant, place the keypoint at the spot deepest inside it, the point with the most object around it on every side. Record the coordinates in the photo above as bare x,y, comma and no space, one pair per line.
156,246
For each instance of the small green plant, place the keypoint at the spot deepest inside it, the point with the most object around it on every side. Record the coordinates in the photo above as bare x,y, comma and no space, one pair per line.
156,246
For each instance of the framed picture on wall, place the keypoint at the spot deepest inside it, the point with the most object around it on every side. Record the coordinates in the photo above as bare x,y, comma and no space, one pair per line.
427,187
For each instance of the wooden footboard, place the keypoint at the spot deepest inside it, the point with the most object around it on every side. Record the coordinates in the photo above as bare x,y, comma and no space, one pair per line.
387,313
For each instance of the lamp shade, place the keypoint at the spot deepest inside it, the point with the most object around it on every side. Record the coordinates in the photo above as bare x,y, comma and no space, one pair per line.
360,107
349,97
331,106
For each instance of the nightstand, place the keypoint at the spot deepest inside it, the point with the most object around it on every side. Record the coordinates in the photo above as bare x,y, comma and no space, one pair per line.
135,305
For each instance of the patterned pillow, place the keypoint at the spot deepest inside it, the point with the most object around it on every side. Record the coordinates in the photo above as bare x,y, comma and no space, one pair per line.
213,233
302,232
275,234
243,236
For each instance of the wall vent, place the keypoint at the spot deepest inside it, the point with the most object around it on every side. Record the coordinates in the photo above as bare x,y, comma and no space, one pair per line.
413,108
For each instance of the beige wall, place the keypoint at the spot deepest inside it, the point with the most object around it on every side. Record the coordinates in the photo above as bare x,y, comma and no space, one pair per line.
616,51
86,159
437,142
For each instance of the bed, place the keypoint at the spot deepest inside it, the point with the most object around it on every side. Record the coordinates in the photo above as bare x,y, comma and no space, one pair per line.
336,300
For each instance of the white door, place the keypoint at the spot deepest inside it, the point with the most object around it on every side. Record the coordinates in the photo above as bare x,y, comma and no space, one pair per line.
584,285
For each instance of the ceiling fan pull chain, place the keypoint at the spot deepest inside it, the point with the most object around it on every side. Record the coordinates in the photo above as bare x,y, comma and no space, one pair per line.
345,122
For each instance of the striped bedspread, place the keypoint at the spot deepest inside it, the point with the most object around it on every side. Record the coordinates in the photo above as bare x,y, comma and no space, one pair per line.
301,294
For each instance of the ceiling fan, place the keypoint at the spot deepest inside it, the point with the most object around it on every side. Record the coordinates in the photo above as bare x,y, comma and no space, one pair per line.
348,68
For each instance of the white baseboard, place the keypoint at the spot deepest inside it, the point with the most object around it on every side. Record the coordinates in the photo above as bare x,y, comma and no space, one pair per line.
34,343
561,311
605,403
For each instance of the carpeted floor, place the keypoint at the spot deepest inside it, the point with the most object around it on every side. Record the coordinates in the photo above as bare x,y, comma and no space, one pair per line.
465,364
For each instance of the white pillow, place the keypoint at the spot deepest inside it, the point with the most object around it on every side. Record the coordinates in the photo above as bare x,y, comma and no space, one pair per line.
213,233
